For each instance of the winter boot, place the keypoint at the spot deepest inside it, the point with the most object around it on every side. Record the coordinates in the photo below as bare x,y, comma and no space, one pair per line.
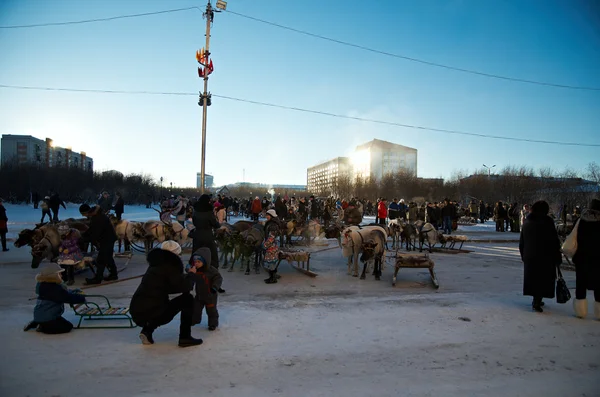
580,307
30,325
597,310
189,341
146,336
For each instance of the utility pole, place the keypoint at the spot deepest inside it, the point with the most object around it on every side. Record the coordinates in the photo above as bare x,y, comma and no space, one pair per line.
203,58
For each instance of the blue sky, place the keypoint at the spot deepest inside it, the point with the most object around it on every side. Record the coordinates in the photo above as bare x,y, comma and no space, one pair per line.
554,41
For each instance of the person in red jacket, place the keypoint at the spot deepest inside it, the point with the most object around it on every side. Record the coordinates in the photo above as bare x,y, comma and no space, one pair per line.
382,211
256,208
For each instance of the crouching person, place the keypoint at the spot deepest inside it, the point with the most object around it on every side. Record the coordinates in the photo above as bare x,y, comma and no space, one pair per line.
52,296
150,305
208,281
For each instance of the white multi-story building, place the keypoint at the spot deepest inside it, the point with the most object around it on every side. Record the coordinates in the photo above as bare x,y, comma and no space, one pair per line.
373,159
208,180
378,158
323,177
26,149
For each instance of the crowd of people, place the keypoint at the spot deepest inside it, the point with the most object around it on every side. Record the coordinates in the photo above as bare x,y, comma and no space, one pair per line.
151,306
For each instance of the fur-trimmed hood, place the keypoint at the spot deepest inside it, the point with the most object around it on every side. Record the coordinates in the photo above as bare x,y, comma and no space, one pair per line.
160,257
48,279
590,215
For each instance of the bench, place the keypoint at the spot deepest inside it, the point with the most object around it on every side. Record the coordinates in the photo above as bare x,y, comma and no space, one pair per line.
91,310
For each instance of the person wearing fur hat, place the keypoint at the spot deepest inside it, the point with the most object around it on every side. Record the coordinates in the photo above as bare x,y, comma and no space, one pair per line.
274,225
102,234
150,305
69,252
271,260
52,296
3,225
540,251
587,260
208,281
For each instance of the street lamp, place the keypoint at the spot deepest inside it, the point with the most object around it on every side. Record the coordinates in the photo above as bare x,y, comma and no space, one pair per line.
161,192
489,169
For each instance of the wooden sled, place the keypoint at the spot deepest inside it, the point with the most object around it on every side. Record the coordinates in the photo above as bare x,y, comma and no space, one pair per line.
91,310
415,262
299,260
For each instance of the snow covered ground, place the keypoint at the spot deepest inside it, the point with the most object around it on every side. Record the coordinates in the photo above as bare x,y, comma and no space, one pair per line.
332,335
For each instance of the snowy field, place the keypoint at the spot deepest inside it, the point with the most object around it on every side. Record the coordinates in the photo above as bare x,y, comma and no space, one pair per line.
332,335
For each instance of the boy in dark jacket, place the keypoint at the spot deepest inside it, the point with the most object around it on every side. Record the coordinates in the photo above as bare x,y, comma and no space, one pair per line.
52,296
208,281
150,306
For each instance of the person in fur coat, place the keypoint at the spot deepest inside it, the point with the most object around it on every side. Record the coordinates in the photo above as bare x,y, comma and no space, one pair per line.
208,281
540,251
587,260
52,296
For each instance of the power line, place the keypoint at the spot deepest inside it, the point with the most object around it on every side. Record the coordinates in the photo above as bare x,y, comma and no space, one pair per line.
297,109
145,14
361,47
424,62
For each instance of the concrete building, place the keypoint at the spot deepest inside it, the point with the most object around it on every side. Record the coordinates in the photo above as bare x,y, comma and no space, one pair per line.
379,158
372,159
26,149
208,180
324,177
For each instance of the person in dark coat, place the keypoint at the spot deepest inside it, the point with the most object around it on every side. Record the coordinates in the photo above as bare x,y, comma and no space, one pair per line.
105,202
35,197
208,281
52,295
150,306
205,221
102,234
3,225
119,206
587,260
302,211
539,246
280,207
54,203
482,211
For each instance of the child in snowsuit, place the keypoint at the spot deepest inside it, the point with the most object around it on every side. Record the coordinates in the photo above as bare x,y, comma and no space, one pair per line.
208,281
50,306
69,252
271,261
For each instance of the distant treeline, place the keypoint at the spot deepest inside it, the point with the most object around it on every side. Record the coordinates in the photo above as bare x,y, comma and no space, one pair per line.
510,184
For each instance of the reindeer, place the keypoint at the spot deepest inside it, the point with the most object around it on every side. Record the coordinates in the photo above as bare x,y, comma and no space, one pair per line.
374,250
249,242
427,234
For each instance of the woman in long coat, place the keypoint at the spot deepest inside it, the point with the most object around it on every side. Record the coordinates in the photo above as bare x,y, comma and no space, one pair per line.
540,251
205,221
587,260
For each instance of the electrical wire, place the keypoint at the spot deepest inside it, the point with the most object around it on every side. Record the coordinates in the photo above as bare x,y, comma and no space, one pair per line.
145,14
421,61
345,43
319,112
